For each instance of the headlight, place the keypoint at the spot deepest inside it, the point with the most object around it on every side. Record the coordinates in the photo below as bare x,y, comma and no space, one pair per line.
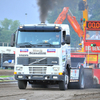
19,68
56,68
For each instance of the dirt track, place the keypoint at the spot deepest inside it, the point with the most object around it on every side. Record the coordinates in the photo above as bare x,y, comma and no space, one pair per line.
10,91
6,72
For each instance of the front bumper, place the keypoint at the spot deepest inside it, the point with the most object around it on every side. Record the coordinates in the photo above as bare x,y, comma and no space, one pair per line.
28,77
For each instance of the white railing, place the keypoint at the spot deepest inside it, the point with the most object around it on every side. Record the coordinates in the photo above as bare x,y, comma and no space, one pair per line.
6,44
74,49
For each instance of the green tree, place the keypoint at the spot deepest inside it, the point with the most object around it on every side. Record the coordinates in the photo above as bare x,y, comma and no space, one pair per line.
94,11
14,25
0,31
6,23
7,28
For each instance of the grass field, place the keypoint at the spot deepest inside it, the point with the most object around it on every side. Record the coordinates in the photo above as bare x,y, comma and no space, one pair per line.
4,76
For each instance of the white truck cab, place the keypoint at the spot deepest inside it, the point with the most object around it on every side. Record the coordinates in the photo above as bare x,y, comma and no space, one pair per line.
42,54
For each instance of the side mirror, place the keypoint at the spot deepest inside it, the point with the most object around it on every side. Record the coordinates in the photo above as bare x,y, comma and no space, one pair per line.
12,40
67,39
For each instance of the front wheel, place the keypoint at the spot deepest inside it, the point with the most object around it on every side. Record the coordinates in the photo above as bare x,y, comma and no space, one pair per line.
22,84
63,84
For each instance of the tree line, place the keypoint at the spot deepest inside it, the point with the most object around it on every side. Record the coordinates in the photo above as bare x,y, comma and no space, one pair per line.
7,27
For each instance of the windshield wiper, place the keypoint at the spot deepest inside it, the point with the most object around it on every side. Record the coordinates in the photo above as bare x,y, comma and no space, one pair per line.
49,44
26,44
42,43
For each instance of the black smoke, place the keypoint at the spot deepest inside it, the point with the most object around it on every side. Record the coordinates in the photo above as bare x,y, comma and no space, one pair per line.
44,7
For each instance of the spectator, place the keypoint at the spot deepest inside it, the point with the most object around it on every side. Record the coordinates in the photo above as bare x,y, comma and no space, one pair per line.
96,36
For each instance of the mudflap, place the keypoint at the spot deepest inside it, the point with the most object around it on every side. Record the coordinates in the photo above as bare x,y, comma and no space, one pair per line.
88,76
76,81
80,83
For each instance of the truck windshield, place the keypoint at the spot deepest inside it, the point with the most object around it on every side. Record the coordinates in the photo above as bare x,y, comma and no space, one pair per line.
93,35
39,39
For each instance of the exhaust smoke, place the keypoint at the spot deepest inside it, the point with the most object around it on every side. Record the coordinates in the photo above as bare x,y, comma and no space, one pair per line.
44,7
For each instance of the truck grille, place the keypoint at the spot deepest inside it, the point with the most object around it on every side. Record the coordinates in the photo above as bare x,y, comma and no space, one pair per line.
37,70
36,61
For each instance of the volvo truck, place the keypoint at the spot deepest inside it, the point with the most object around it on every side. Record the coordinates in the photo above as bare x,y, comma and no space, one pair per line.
43,56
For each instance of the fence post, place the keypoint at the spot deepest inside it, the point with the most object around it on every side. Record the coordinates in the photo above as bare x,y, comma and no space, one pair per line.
1,60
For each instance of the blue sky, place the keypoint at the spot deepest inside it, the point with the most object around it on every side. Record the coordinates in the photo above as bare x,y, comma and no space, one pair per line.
16,9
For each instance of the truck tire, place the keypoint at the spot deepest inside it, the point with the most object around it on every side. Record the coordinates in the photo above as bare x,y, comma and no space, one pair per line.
88,77
80,84
22,84
63,84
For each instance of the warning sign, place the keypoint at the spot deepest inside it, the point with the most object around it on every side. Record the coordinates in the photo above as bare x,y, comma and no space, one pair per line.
91,58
